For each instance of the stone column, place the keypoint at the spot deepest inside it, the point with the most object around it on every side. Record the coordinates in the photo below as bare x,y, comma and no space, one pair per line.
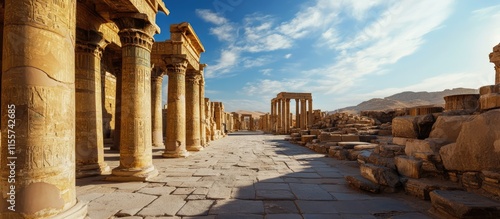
118,106
193,111
303,114
279,114
203,132
297,114
156,107
38,110
272,115
136,162
176,116
287,107
208,124
310,113
89,132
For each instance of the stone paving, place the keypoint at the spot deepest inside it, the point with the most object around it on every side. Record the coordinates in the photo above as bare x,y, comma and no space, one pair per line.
245,175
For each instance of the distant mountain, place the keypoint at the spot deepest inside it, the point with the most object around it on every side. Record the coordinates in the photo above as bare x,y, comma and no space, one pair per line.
407,99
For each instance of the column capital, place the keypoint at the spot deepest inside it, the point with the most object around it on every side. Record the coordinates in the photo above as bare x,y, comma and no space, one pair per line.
175,64
135,29
193,76
90,41
157,72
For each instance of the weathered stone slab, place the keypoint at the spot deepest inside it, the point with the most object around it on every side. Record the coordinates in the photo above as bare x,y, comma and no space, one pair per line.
274,195
412,126
280,207
164,205
380,175
408,166
361,183
429,145
422,187
351,144
491,182
237,207
365,147
461,204
350,138
448,127
195,208
106,206
477,147
310,192
399,141
329,137
307,138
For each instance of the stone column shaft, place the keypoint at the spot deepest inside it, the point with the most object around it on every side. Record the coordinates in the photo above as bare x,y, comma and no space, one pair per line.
118,108
136,162
310,115
193,111
287,111
176,115
280,113
203,132
38,110
156,107
303,113
89,132
297,113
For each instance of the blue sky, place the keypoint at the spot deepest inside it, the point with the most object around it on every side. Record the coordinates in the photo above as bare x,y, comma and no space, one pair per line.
343,52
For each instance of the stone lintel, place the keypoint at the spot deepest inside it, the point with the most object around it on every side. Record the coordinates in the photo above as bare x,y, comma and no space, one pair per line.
184,32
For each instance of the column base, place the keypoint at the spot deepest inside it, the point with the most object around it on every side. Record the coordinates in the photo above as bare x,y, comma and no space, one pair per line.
127,175
78,211
195,148
175,154
92,170
158,145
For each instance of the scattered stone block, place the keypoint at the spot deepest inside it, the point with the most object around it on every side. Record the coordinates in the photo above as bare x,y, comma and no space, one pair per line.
422,187
461,204
351,144
381,161
365,147
399,141
429,145
350,138
408,166
471,180
307,138
477,147
448,127
491,182
329,137
412,126
362,184
380,175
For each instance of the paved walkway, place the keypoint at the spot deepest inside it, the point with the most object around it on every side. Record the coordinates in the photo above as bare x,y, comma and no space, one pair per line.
245,175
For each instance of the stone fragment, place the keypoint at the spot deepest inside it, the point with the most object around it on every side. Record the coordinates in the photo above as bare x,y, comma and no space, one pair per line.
429,145
307,138
380,175
350,138
491,182
448,127
408,166
422,187
412,126
399,141
362,184
477,147
461,204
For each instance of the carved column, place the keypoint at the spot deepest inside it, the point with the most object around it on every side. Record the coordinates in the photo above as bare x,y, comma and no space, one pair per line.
118,106
279,114
136,162
297,113
310,114
495,59
89,132
287,120
176,116
272,114
193,78
208,124
303,114
203,132
38,110
156,108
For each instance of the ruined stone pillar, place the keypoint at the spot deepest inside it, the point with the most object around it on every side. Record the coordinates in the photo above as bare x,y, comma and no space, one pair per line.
193,111
279,115
310,114
118,106
136,162
38,111
208,123
303,114
297,114
156,107
287,111
176,116
89,133
495,59
272,115
203,132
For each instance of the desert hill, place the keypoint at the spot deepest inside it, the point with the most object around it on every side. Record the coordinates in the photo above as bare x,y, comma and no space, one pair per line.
407,99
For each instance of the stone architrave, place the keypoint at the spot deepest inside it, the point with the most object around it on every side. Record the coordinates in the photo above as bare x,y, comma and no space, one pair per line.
136,162
38,104
89,133
176,117
156,107
193,141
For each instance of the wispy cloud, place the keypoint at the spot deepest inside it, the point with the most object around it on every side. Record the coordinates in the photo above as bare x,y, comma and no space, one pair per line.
266,71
